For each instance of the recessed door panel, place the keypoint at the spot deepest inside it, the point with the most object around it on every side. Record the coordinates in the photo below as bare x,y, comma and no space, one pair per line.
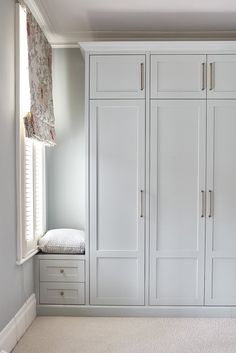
176,280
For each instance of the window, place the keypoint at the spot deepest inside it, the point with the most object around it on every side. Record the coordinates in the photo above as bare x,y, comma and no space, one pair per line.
30,161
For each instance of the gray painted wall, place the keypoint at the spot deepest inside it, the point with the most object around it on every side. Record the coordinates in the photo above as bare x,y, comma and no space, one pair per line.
16,281
65,162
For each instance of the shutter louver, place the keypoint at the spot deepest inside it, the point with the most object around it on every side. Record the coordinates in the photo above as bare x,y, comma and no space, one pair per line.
33,190
38,189
29,200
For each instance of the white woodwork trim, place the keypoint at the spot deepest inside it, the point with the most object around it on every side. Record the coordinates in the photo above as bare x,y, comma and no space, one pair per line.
137,311
41,17
65,45
29,256
15,329
181,46
87,177
147,183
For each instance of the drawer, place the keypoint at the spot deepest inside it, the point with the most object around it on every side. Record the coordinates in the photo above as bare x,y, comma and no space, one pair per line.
62,271
62,293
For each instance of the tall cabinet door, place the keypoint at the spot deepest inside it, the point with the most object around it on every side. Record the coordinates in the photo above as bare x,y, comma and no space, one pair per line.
177,202
117,179
221,204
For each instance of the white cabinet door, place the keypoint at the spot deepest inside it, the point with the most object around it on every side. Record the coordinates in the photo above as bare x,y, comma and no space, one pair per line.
178,76
221,205
177,203
117,76
117,178
221,76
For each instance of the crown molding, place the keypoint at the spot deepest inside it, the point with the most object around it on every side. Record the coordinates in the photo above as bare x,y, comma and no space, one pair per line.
161,46
71,40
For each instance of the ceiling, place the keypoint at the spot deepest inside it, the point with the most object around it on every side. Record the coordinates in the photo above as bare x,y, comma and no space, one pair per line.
66,22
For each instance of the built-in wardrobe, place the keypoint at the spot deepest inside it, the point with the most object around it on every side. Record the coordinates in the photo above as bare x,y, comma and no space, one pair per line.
162,132
161,172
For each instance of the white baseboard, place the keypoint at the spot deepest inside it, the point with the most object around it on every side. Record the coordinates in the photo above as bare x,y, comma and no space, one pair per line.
15,329
137,311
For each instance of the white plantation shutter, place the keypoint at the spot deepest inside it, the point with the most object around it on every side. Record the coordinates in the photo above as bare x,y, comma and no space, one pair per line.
38,189
34,193
29,191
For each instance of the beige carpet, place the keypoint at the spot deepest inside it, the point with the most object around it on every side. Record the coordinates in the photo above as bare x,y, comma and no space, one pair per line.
129,335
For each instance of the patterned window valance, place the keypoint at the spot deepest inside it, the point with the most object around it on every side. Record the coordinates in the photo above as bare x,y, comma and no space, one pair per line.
39,122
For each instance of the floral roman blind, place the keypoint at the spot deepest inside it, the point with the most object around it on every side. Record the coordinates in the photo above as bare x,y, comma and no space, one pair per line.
39,122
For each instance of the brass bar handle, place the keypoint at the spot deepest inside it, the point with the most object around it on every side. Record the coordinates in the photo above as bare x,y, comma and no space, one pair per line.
211,76
203,76
142,76
211,204
142,203
203,204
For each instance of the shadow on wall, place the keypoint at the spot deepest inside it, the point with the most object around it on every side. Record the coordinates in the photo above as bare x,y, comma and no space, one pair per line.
66,161
141,21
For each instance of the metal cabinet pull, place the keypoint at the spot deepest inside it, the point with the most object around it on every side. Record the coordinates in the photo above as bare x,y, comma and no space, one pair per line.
203,204
61,270
141,203
211,204
62,293
211,76
142,76
203,76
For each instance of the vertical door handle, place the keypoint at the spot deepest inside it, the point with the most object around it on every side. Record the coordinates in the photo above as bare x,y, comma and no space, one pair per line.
211,76
142,76
141,203
203,204
203,76
211,204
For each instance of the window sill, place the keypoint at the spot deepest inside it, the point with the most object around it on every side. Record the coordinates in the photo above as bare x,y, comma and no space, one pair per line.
24,259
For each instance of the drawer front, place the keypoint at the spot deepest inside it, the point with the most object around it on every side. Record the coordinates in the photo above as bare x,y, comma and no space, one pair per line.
117,76
62,293
62,271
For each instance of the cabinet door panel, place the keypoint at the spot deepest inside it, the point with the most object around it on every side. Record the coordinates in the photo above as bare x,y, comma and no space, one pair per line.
221,76
117,155
117,76
221,226
177,177
178,76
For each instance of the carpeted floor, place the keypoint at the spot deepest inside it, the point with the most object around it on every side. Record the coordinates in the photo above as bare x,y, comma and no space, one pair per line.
129,335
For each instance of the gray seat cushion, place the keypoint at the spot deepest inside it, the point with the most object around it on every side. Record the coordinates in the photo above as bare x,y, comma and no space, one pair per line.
63,241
